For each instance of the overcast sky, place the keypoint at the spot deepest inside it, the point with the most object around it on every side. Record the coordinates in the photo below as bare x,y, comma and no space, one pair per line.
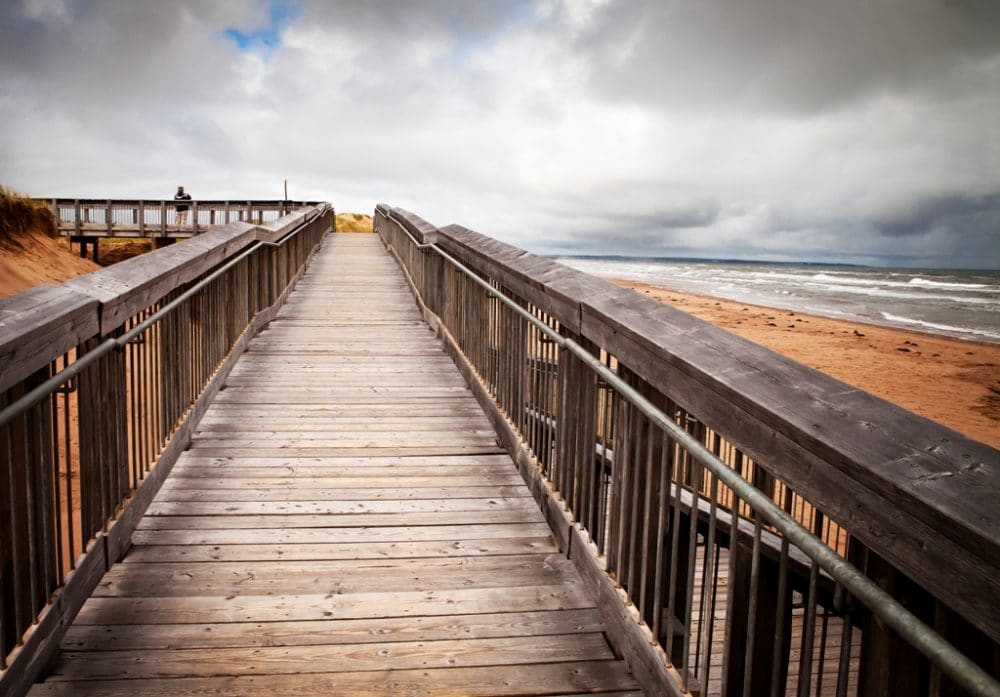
863,131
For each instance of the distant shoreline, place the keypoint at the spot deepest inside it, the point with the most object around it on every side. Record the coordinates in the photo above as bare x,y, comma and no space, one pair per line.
769,262
960,304
866,322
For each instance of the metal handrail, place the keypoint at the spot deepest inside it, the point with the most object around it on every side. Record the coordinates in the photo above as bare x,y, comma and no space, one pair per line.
923,638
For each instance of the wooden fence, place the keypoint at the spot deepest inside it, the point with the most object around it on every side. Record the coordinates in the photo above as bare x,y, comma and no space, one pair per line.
96,218
100,380
751,526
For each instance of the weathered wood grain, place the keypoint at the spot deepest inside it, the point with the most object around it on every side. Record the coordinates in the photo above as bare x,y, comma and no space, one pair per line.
283,534
527,679
192,579
39,325
332,632
325,658
348,520
258,551
324,606
267,492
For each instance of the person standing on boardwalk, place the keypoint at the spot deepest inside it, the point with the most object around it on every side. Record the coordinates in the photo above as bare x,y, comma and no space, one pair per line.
182,209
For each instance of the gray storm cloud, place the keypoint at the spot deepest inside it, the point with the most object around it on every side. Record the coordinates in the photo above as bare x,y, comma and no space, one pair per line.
847,131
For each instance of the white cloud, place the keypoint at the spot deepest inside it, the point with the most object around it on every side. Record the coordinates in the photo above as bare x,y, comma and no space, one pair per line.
791,129
45,9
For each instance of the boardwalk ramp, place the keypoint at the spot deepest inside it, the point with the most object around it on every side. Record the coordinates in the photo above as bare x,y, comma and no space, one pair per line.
343,522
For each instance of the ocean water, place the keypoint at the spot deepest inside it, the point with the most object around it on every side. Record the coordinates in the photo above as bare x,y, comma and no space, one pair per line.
963,304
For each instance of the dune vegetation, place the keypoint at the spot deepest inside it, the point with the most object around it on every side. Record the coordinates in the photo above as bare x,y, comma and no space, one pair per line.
354,222
31,253
20,216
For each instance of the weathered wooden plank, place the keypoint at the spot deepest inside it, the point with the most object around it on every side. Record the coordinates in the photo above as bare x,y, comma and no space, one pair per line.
521,680
346,380
214,522
348,507
332,576
325,606
332,632
321,439
162,553
297,660
348,450
208,478
39,325
212,476
369,478
248,420
346,463
266,492
339,535
318,410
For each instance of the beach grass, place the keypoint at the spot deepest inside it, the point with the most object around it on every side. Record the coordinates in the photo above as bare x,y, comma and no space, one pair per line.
21,216
353,222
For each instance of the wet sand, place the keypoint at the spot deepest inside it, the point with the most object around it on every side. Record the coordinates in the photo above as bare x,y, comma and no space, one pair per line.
951,381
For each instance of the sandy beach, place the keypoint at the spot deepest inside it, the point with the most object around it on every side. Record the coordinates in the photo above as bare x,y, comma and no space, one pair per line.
953,382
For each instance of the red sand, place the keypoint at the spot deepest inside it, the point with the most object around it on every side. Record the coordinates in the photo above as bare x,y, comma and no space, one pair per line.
40,259
953,382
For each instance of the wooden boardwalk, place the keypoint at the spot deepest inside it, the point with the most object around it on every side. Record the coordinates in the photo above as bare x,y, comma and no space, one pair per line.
343,523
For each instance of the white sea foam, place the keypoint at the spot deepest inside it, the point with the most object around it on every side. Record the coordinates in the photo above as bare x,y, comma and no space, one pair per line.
898,295
939,327
927,283
864,282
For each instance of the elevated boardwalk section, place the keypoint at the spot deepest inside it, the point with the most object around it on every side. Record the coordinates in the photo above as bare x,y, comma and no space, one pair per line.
343,523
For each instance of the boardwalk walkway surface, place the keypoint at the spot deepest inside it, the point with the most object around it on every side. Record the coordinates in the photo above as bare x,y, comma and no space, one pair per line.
343,523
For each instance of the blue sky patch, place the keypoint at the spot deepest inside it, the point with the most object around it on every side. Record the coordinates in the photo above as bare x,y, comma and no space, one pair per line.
265,39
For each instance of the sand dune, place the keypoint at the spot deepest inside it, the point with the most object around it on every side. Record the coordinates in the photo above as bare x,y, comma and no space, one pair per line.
38,259
354,222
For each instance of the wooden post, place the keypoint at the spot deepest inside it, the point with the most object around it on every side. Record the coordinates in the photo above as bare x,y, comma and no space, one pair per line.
76,217
194,217
765,628
107,220
889,665
163,218
142,218
227,212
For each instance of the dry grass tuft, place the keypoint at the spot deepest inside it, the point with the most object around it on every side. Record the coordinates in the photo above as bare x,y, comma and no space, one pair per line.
354,222
114,250
21,216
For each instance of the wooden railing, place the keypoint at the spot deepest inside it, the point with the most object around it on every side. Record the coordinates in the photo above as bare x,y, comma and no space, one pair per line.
751,526
86,218
101,379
